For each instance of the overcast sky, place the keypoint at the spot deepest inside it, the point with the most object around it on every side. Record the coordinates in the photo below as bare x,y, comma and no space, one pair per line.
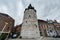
46,9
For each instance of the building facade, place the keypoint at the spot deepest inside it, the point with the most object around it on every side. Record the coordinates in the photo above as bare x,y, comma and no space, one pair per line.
53,27
42,27
6,23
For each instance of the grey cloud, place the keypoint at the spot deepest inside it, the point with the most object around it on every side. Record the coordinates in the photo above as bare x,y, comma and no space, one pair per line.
46,9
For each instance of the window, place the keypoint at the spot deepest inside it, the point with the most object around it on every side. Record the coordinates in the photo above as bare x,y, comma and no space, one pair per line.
41,34
35,25
50,30
26,21
29,16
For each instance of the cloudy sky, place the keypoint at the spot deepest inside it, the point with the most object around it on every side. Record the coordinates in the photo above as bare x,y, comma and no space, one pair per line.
46,9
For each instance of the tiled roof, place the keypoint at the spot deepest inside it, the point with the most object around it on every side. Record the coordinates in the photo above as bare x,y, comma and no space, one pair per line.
39,20
2,14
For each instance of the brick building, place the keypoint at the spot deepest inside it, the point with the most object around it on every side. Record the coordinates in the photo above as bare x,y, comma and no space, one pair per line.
42,27
18,28
49,28
53,28
57,28
6,23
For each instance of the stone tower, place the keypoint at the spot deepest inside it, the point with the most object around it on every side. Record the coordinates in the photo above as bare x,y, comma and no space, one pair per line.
30,24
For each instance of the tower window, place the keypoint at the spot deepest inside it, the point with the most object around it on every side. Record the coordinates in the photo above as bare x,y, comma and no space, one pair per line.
35,25
26,21
29,16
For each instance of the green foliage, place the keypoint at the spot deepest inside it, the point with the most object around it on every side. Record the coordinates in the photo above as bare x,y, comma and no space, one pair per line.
3,36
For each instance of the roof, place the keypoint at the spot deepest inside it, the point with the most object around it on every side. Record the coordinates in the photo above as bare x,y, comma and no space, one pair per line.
39,20
18,28
2,14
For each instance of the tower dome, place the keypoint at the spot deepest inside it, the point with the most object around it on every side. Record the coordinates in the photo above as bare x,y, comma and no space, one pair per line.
30,7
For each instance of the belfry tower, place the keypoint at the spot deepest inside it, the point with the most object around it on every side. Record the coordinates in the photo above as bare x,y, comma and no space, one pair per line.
30,24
